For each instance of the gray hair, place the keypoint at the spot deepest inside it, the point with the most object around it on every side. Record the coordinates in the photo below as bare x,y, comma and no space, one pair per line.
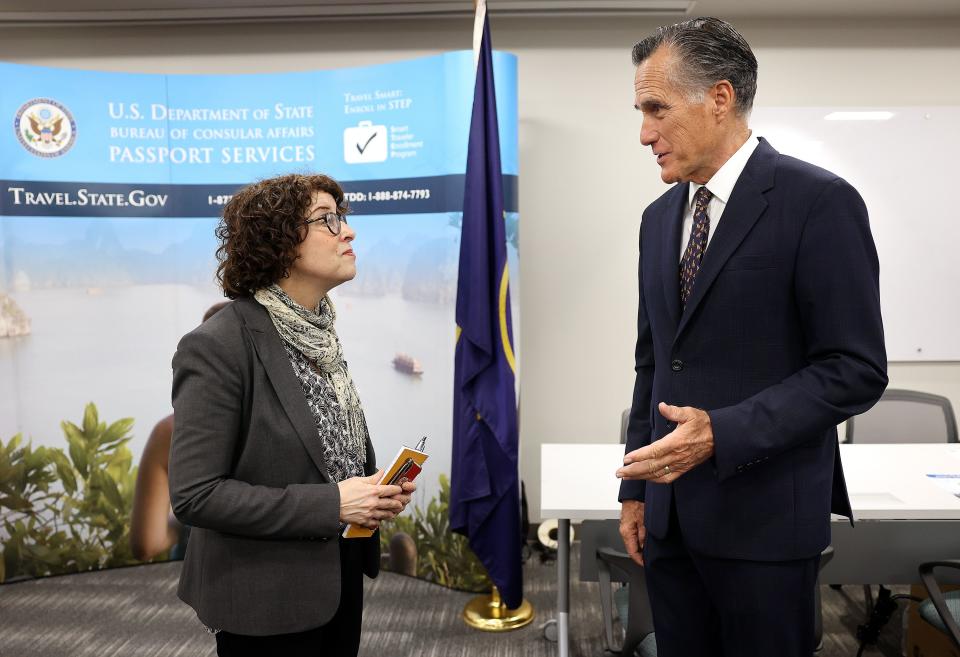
707,50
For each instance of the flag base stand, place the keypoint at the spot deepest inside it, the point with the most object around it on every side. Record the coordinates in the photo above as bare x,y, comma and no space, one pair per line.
488,613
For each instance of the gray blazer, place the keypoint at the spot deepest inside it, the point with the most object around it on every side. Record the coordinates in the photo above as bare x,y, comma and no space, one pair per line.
247,473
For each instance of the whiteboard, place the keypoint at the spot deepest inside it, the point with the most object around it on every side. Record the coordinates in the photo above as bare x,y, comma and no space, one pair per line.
906,169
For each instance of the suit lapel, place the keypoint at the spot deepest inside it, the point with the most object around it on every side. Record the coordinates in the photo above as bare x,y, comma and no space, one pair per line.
744,208
670,250
277,365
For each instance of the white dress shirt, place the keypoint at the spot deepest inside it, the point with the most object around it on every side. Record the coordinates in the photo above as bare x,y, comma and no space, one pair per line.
721,186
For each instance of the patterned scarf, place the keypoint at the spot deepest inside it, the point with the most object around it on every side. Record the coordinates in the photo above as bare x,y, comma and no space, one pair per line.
313,335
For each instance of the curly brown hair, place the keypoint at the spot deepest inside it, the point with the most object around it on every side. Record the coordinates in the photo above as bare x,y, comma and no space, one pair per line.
261,228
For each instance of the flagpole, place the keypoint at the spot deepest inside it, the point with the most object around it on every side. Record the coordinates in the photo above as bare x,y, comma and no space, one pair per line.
479,15
488,612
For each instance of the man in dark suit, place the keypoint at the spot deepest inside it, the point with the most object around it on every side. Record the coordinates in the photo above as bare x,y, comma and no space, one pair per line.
758,331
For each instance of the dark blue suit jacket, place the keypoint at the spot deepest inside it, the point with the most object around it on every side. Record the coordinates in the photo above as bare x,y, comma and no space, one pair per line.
781,341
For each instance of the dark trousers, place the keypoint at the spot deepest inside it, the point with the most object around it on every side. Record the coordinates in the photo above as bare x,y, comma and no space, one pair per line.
708,607
340,637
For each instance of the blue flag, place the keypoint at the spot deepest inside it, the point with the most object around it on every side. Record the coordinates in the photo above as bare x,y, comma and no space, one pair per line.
484,490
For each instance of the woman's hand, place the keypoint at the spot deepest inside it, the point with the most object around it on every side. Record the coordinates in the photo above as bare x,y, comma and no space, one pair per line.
404,498
364,502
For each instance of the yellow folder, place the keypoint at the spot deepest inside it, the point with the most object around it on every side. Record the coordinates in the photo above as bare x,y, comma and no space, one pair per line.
406,465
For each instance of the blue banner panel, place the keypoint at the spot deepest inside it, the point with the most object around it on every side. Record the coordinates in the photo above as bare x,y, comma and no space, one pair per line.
111,186
402,120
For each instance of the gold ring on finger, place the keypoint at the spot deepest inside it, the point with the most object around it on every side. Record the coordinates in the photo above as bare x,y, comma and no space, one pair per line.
666,470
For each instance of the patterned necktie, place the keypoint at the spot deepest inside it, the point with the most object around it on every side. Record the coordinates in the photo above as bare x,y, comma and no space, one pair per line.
693,254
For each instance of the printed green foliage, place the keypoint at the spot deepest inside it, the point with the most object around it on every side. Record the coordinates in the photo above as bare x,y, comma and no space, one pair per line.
444,557
67,511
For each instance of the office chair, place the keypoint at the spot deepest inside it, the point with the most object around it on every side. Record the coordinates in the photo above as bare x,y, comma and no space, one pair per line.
624,422
602,559
941,610
903,416
638,624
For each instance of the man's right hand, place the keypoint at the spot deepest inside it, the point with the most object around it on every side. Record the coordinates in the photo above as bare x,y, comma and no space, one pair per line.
364,502
632,530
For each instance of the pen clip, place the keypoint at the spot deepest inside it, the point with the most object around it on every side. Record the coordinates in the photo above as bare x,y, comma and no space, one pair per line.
421,444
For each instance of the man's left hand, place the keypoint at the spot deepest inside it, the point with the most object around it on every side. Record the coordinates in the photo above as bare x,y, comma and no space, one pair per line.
681,450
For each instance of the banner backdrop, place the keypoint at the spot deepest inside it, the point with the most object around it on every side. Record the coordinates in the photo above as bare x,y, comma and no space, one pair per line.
110,189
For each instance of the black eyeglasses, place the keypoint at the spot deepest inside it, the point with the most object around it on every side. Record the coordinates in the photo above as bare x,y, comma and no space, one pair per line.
333,220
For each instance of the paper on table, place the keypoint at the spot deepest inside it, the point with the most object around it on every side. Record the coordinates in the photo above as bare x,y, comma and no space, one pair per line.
948,482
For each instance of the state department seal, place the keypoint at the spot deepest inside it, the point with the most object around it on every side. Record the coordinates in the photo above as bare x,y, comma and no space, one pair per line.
45,127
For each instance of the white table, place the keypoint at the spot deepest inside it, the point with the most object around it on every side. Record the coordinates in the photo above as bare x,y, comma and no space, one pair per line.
889,482
886,483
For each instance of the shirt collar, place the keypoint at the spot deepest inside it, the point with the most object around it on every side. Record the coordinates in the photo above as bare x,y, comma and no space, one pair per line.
723,181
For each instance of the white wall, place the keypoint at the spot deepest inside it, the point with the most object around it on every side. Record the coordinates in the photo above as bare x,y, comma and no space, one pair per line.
584,179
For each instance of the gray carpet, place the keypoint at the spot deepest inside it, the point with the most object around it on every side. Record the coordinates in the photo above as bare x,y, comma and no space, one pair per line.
135,612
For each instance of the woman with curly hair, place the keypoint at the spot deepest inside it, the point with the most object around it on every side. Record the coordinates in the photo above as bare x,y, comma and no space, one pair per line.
270,455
